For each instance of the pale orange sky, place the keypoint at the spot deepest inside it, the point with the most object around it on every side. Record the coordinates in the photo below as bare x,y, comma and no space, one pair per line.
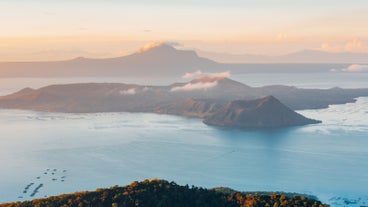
50,30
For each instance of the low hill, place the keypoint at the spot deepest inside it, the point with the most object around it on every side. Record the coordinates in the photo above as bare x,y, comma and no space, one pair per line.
267,112
160,193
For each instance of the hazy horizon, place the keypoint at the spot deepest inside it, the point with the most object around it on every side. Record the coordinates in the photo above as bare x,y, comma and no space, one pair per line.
54,30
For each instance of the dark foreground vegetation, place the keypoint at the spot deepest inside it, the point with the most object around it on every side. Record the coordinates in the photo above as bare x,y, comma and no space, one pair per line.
168,194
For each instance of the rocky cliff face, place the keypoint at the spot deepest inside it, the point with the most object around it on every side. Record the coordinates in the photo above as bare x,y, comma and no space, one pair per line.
267,112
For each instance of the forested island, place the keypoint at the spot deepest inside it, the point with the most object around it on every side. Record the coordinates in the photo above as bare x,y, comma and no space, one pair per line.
161,193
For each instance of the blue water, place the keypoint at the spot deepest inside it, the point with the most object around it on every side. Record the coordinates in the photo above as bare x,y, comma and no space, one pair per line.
89,151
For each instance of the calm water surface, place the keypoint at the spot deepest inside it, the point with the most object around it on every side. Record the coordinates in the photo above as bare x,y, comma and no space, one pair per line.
99,150
73,152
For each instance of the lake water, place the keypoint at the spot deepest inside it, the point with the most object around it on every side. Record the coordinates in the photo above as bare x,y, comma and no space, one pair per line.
100,150
74,152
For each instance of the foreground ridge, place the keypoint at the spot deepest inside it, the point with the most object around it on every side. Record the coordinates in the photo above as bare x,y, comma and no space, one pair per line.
163,193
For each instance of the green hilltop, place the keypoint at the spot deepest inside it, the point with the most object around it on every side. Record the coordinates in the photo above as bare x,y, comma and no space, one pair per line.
161,193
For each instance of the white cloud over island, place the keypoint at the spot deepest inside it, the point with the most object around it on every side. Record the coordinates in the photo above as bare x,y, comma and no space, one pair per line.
356,68
203,81
195,86
157,44
199,73
130,91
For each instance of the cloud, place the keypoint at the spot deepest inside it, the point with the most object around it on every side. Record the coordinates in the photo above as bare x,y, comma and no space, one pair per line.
225,74
157,44
356,68
195,86
328,47
192,75
130,91
199,74
354,46
174,44
202,81
146,89
149,46
281,37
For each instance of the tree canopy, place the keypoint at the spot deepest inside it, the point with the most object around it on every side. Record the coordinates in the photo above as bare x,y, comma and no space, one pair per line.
162,193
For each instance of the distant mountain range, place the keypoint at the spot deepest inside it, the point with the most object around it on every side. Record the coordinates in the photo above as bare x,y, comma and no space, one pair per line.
165,61
201,97
157,61
304,56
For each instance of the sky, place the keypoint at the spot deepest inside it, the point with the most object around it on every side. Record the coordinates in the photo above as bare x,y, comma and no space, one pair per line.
54,29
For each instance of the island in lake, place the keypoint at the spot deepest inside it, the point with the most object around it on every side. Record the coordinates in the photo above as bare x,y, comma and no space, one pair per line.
211,98
267,112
